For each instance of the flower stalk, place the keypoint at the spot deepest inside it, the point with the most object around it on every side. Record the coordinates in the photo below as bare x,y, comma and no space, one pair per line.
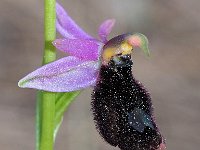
45,111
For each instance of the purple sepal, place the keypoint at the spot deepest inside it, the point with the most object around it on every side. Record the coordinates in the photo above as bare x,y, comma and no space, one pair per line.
105,29
67,27
81,48
64,75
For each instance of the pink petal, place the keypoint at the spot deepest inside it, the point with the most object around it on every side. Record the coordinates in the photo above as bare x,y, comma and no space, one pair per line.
139,40
67,27
105,29
81,48
64,75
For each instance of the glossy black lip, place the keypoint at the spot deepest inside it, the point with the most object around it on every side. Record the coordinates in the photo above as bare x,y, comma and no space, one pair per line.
126,57
123,61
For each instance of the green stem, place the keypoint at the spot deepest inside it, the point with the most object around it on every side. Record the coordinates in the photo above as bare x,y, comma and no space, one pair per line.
45,112
49,31
48,116
38,118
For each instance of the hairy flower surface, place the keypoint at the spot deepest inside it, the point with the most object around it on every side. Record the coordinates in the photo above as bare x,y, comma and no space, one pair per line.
80,69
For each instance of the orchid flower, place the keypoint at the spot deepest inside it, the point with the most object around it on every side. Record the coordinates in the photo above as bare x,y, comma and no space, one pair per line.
80,69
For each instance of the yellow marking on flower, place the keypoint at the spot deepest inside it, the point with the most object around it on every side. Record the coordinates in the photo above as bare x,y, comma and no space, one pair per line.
126,48
108,54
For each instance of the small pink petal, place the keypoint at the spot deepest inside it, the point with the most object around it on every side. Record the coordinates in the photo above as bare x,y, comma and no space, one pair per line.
105,29
139,40
81,48
64,75
67,27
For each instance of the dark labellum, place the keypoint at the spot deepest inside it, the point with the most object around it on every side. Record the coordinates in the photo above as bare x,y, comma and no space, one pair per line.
122,108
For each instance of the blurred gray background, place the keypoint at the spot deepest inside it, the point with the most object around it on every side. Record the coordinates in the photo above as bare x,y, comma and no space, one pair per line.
172,73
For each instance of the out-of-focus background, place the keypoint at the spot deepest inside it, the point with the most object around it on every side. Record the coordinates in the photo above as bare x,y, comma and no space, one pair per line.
172,73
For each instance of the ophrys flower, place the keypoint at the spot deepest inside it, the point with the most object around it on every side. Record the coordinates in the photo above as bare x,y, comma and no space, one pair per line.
80,69
122,107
